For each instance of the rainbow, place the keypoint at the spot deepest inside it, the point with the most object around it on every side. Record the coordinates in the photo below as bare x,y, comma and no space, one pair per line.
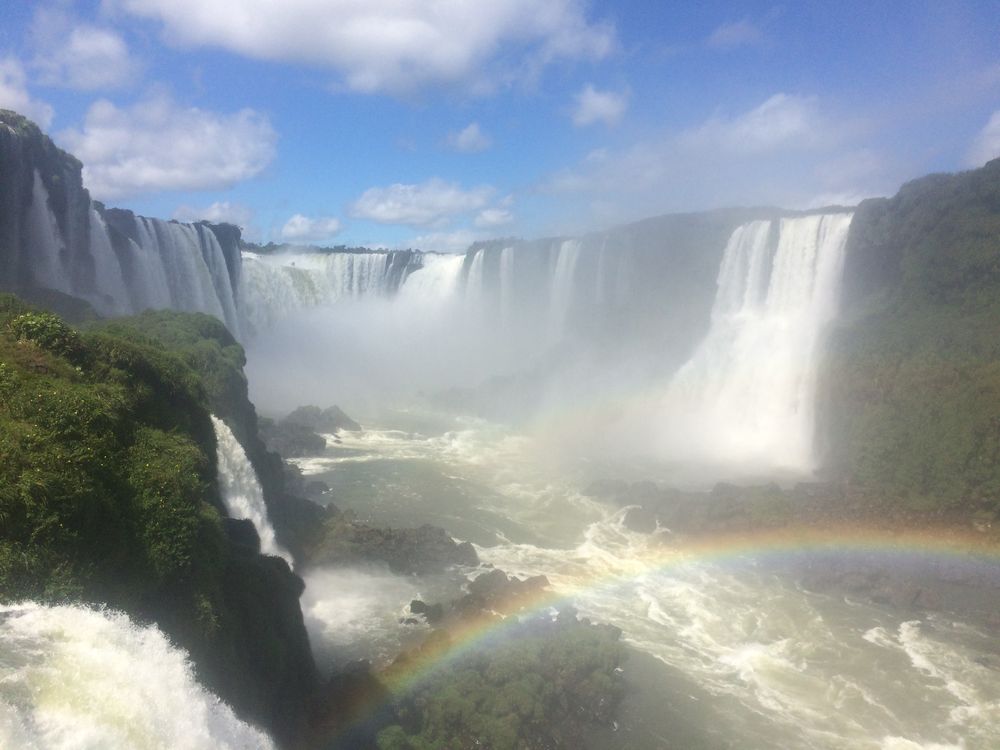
774,545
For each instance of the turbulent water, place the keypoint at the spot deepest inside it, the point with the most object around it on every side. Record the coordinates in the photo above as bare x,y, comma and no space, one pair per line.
774,666
73,678
241,491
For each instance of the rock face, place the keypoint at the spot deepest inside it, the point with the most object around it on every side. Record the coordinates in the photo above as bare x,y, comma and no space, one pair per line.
290,439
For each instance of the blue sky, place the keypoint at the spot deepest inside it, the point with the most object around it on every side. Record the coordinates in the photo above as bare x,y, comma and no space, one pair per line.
433,123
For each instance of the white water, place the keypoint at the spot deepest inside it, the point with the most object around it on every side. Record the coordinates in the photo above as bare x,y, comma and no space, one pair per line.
241,492
778,667
747,394
73,678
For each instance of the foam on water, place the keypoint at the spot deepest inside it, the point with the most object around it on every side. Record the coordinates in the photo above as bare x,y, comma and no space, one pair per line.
73,678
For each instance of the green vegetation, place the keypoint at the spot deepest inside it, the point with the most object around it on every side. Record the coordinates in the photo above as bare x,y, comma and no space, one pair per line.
913,386
540,685
107,484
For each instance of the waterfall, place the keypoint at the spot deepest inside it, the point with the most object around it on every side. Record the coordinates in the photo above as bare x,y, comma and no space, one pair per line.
275,286
475,280
747,394
73,678
433,285
561,290
46,244
241,492
506,286
113,293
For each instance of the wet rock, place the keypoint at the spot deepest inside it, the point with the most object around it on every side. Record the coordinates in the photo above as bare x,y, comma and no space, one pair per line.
431,612
423,550
327,420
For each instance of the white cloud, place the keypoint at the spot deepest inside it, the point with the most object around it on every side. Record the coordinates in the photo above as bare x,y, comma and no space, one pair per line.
14,93
470,139
389,45
593,106
493,217
301,228
424,204
219,212
158,145
783,121
986,146
787,151
737,34
445,242
79,56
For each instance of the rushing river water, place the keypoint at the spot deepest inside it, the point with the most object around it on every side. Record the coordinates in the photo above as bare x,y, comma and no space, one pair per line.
767,664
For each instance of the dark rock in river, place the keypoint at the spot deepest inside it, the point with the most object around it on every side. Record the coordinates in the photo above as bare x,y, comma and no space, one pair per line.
423,550
290,439
327,420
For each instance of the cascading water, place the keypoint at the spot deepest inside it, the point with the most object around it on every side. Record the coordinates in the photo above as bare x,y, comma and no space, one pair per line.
275,286
561,293
747,394
241,492
73,678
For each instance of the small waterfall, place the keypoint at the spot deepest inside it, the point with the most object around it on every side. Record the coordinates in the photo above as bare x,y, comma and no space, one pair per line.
47,245
113,294
506,286
747,394
241,492
475,280
561,290
73,678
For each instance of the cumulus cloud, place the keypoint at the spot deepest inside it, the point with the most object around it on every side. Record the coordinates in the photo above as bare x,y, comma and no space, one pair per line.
79,56
743,33
425,204
301,228
218,212
783,121
14,93
986,146
470,139
157,144
493,217
593,106
389,45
